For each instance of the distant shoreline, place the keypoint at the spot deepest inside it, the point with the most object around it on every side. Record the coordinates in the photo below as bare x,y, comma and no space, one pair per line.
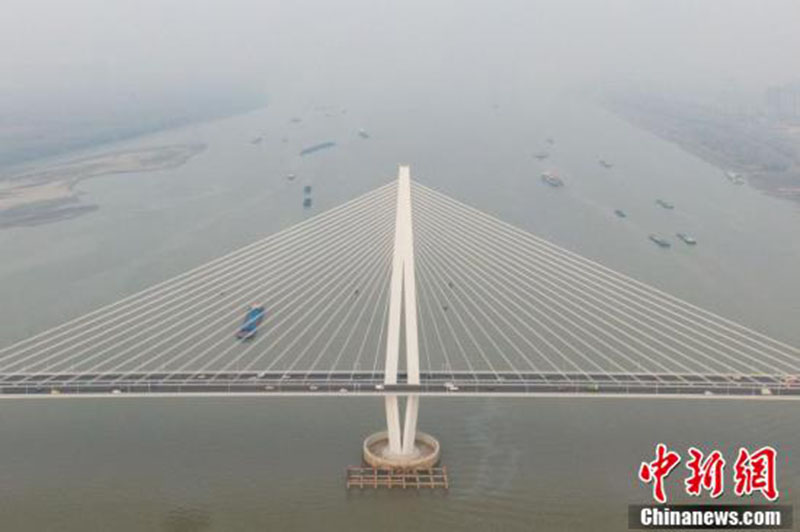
48,195
16,154
768,158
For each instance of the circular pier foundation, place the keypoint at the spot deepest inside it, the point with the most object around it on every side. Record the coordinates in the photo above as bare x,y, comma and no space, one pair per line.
425,455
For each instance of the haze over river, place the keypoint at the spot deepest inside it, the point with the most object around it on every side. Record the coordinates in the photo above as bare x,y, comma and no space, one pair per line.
219,464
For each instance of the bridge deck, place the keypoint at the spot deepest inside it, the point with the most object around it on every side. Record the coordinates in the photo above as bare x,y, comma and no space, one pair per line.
368,383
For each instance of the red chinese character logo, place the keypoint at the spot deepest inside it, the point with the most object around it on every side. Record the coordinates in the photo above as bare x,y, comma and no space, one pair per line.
657,470
756,472
706,474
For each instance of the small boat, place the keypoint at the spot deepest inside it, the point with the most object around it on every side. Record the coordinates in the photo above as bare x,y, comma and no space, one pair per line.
662,242
316,148
363,133
606,164
735,178
542,155
307,203
665,204
621,213
254,316
686,238
552,179
290,177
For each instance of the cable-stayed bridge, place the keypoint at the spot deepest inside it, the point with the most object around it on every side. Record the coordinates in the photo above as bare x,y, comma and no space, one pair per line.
478,307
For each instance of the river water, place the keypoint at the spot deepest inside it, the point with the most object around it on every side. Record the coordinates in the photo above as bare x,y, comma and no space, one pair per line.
192,464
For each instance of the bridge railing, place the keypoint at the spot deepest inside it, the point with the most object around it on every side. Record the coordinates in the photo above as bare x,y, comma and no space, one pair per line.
372,384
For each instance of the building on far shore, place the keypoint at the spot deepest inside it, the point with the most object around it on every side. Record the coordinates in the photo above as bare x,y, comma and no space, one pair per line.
783,102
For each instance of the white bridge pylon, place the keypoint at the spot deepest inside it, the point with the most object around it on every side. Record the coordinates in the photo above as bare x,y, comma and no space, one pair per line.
402,304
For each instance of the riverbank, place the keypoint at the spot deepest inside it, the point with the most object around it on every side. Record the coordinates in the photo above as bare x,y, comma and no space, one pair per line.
49,194
765,155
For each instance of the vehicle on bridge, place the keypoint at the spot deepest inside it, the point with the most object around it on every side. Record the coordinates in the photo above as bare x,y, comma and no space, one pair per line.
252,320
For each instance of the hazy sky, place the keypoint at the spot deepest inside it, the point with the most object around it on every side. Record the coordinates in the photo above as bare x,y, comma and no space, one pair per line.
100,48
